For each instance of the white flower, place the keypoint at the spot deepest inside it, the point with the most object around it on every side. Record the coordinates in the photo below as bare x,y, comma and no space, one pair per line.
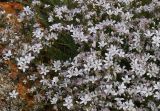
79,35
138,67
148,33
66,63
87,67
58,12
38,33
22,64
157,86
108,89
85,99
55,80
28,58
129,105
73,72
44,81
7,54
110,12
13,94
46,6
121,88
27,10
36,2
43,69
51,36
32,89
126,79
36,48
54,100
93,79
157,95
68,102
92,30
56,65
147,91
113,50
56,27
97,65
23,67
50,19
102,44
32,77
156,40
70,73
77,72
153,70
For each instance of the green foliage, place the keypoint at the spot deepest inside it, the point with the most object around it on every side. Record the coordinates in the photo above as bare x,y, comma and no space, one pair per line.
62,49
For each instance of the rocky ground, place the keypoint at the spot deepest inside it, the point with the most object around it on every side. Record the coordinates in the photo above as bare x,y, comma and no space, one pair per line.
6,84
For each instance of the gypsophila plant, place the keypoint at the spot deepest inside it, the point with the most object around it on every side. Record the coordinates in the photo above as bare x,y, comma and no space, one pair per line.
86,55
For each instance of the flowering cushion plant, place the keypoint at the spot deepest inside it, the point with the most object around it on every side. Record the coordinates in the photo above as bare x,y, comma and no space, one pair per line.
86,55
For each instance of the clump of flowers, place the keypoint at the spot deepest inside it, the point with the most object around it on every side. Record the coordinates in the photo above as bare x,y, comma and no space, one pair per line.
87,55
